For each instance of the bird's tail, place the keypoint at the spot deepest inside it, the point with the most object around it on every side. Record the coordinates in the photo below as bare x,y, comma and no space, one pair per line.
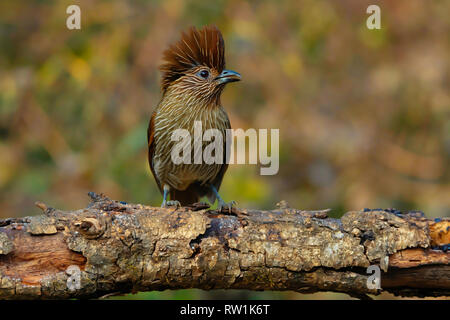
186,197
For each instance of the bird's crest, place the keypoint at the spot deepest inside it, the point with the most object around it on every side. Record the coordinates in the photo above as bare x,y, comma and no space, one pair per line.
196,47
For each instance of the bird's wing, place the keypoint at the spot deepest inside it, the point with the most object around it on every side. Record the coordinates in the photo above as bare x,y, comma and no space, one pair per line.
151,147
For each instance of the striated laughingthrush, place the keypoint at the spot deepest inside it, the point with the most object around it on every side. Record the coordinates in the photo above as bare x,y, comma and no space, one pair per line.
193,78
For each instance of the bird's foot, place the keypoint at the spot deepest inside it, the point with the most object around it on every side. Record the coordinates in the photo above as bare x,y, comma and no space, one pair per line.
171,203
226,206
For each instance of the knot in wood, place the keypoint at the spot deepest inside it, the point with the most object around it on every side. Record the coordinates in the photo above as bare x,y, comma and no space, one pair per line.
90,227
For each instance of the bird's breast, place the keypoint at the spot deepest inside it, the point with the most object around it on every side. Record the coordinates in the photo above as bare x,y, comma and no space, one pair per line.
170,118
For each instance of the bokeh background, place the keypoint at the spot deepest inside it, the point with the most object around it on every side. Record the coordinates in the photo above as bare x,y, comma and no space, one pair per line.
364,115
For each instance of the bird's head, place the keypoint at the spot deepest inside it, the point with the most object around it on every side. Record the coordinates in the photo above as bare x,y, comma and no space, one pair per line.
195,65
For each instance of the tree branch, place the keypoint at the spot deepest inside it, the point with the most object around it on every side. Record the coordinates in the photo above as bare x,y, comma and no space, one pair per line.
121,247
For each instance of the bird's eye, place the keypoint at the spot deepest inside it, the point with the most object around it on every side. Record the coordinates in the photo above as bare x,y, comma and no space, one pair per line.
204,74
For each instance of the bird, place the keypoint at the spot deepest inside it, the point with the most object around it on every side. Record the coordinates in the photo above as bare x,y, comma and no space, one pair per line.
193,78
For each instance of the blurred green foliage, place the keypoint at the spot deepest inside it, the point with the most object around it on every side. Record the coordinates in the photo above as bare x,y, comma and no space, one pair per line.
364,115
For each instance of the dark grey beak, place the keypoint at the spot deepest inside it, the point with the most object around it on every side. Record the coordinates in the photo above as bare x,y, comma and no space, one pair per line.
228,76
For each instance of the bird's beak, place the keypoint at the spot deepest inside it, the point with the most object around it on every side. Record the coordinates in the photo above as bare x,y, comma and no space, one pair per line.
228,76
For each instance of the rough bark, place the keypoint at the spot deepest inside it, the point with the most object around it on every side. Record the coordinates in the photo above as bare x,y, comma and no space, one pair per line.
122,248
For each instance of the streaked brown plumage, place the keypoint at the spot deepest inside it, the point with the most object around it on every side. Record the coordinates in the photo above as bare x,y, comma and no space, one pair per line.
193,77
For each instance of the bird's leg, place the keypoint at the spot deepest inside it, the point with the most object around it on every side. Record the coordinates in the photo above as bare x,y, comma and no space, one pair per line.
169,203
222,204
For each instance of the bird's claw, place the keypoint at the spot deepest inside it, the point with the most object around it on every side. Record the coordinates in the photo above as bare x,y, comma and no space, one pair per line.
171,203
226,205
